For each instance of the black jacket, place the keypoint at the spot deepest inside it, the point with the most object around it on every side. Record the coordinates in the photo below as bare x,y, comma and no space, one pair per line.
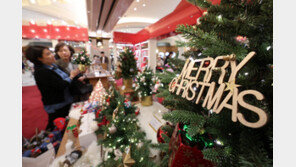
51,85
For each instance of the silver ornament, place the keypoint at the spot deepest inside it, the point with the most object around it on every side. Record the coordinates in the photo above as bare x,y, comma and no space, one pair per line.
112,129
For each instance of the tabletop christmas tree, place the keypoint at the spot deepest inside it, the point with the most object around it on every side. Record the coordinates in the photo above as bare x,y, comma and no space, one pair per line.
242,30
98,94
145,82
82,60
128,66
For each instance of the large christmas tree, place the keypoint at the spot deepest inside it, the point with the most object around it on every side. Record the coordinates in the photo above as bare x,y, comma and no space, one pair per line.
232,27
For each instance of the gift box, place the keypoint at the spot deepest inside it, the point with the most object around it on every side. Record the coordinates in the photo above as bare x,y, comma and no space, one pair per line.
184,155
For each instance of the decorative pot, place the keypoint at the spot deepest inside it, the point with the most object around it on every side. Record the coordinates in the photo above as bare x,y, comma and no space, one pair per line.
146,101
81,67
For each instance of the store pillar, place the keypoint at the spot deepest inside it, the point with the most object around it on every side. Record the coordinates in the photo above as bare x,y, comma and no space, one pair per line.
107,51
115,53
152,46
93,48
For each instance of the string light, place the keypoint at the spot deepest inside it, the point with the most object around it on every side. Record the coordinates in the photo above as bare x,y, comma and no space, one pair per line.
141,159
218,142
219,18
211,111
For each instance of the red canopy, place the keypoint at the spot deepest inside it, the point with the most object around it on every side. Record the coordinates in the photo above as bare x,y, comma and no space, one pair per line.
185,13
49,31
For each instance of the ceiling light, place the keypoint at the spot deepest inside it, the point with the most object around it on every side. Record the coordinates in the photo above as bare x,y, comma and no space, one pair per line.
33,1
135,9
57,29
144,4
138,0
68,28
45,30
33,31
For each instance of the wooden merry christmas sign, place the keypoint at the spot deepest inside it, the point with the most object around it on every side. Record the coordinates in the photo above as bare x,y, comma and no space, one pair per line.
189,80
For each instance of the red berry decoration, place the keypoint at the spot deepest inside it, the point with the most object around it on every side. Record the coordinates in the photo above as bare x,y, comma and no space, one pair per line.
75,132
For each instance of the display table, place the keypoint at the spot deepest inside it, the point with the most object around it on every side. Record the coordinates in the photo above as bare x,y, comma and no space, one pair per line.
93,78
88,139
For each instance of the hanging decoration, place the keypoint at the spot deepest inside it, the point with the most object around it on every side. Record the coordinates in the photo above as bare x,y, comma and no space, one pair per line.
188,83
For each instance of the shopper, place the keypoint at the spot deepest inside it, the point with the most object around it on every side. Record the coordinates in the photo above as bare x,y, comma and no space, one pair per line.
53,83
159,65
64,54
81,87
104,60
96,60
167,58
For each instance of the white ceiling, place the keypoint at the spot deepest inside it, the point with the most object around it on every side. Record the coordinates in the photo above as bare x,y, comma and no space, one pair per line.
153,10
71,11
74,12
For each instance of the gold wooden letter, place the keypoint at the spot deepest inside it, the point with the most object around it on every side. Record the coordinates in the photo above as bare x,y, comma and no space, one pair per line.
210,99
262,115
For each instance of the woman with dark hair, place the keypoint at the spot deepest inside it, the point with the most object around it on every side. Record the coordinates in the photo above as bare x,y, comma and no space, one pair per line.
81,88
53,83
64,54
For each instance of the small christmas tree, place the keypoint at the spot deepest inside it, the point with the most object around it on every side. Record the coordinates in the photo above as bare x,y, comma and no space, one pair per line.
118,125
128,64
81,58
98,94
145,82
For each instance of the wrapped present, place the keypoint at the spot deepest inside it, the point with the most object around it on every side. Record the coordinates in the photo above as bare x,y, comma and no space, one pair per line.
184,155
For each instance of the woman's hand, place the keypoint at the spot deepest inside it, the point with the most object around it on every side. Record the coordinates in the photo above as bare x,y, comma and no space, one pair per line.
81,79
74,73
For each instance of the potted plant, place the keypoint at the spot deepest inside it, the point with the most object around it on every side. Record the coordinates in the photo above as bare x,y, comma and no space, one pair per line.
82,60
128,66
145,82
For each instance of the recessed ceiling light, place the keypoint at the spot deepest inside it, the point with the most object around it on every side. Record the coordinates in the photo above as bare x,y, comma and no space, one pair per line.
138,0
144,4
33,1
135,9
